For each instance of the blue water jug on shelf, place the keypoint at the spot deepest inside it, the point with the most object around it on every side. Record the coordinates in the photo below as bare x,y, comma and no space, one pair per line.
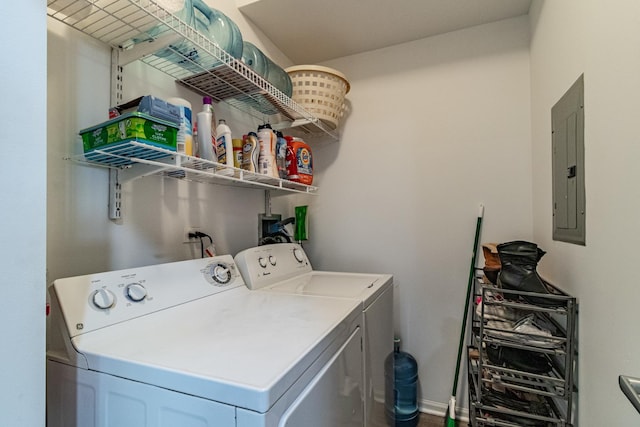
401,388
254,59
212,23
266,68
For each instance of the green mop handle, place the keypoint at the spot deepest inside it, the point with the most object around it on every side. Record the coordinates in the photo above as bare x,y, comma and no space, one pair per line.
466,303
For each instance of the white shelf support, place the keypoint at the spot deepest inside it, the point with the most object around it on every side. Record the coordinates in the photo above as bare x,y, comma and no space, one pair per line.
116,78
115,195
142,50
120,176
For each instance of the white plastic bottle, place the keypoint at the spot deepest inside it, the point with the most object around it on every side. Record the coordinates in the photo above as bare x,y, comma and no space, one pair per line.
267,161
185,133
224,147
206,132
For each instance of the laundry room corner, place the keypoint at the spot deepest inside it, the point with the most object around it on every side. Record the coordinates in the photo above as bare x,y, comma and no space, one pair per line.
456,116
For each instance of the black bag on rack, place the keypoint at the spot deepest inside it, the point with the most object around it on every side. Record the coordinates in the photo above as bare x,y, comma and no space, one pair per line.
516,358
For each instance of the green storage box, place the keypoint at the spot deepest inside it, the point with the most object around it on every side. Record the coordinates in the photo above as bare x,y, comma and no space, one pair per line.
130,127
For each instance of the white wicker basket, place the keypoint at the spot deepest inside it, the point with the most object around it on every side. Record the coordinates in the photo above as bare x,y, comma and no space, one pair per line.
320,90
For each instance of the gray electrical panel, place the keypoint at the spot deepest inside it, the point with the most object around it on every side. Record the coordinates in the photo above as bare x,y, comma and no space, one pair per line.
567,124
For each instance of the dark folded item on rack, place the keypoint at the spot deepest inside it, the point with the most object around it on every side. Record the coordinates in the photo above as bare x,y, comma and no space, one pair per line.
516,358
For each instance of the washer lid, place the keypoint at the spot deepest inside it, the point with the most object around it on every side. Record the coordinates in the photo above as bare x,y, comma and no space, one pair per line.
362,287
238,347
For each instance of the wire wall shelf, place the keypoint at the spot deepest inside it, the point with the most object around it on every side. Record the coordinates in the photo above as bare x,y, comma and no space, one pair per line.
166,163
207,69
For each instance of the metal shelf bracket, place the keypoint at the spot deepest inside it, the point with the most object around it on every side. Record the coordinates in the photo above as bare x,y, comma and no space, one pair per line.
116,78
115,195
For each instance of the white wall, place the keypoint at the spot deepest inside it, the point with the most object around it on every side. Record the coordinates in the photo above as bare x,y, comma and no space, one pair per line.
81,239
599,39
437,127
22,200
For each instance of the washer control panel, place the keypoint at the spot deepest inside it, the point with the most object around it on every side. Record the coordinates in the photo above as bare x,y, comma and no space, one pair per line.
265,265
97,300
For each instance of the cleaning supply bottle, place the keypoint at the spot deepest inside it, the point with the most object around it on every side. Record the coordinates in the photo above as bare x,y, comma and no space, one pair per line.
250,152
300,232
299,161
224,147
237,152
401,388
267,159
281,155
185,133
206,132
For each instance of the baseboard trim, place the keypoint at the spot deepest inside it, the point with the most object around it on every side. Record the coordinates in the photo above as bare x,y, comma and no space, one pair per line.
440,409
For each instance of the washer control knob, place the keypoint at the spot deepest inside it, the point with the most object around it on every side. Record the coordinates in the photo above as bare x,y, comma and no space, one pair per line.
103,299
136,292
299,255
221,273
262,262
272,260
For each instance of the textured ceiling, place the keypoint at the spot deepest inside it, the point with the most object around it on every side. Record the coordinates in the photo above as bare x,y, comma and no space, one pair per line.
312,31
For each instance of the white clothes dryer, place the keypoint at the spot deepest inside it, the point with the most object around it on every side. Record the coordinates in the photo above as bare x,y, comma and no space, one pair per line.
187,344
286,269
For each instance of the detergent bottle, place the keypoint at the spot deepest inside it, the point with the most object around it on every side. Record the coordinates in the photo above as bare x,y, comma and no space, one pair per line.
267,160
299,161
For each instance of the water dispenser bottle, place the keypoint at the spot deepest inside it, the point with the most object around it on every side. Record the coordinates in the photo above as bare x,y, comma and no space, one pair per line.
215,25
255,59
401,388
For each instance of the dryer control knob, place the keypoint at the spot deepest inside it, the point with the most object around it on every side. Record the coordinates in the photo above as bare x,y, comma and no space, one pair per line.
272,260
262,262
297,253
136,292
221,273
103,299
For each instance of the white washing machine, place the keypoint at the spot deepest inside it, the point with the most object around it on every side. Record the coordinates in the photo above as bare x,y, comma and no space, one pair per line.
286,269
186,344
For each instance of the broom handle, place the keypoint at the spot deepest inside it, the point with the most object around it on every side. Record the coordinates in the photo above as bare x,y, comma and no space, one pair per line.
466,303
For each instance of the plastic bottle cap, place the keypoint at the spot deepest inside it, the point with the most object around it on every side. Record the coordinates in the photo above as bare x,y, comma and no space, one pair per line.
206,100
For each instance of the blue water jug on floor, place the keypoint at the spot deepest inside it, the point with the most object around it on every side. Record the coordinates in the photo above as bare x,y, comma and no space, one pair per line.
401,388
